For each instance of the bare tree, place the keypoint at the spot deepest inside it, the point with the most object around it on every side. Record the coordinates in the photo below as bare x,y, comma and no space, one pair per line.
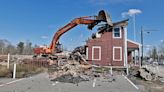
11,49
2,47
154,53
28,49
161,50
20,47
6,47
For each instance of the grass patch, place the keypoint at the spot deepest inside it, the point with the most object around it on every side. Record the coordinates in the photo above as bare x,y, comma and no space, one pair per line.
25,70
101,69
4,72
22,70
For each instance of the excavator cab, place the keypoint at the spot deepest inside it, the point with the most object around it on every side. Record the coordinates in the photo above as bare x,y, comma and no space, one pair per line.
59,48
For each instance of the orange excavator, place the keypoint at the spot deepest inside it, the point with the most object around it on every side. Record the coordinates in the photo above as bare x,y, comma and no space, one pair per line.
90,21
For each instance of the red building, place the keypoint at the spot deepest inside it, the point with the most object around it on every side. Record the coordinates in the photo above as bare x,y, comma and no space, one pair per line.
110,46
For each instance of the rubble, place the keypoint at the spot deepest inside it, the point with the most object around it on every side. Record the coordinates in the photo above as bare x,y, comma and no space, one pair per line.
80,57
70,72
69,78
148,73
74,70
151,73
80,49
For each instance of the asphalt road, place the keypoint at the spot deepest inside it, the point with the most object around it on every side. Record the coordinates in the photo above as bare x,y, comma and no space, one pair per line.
41,83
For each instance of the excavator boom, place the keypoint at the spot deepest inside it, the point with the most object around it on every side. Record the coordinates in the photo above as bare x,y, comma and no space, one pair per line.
91,21
66,28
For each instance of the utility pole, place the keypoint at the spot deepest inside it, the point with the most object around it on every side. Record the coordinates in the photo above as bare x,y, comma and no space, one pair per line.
134,26
142,42
142,45
8,60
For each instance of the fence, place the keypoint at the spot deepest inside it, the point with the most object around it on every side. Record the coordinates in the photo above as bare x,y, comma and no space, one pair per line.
23,68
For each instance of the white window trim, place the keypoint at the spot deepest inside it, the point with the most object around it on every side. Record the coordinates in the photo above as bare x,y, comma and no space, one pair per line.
87,53
119,31
93,47
117,47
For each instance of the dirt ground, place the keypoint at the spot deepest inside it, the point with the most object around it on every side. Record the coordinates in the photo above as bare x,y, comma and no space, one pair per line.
149,86
152,86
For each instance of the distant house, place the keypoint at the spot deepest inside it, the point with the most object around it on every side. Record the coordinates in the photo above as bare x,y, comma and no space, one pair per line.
110,46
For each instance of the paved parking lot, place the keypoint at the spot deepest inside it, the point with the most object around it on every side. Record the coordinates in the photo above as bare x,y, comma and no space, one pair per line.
41,83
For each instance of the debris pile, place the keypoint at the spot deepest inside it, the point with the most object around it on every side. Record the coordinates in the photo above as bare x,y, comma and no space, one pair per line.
70,79
151,73
149,78
71,72
148,73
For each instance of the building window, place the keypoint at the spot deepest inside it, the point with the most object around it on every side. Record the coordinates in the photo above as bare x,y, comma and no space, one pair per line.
117,53
96,52
117,32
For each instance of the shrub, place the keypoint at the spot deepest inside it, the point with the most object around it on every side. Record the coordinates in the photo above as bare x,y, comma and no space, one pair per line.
4,72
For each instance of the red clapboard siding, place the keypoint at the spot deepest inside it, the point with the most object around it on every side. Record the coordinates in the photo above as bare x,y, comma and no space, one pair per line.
117,53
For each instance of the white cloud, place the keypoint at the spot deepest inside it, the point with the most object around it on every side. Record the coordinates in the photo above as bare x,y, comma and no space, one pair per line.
131,12
44,37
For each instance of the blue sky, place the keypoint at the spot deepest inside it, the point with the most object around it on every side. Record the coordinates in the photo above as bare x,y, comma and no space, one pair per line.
38,20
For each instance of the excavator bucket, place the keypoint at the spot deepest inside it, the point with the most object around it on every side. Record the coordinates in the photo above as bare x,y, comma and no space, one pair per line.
103,16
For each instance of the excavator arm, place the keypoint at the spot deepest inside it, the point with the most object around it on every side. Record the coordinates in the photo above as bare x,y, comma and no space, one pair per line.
75,22
91,21
52,48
